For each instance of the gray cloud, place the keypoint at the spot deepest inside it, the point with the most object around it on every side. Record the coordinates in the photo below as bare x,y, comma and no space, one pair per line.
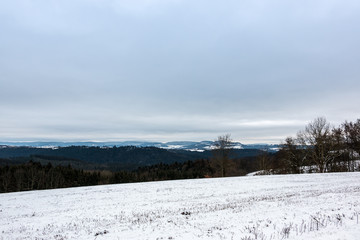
175,69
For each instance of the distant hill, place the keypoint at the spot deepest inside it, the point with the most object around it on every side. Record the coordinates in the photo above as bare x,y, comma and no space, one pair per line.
113,158
180,145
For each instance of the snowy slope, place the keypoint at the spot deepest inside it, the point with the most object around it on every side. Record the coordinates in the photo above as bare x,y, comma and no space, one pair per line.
309,206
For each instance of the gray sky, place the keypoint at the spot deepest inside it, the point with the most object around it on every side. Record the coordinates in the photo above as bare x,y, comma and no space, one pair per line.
176,70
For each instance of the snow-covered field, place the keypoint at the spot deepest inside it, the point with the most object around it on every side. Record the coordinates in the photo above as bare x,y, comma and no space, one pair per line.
309,206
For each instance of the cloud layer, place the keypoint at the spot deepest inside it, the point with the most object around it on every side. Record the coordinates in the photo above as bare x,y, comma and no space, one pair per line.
171,70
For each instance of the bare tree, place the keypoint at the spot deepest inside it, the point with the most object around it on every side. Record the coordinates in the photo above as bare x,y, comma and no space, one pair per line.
221,155
317,137
352,135
352,142
342,162
264,163
295,155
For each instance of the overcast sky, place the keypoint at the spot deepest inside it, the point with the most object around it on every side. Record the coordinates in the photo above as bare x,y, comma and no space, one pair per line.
168,70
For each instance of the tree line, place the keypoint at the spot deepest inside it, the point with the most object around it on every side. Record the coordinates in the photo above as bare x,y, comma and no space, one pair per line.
37,176
34,176
318,148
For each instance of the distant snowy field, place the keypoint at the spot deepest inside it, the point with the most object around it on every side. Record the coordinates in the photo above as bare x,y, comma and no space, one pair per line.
309,206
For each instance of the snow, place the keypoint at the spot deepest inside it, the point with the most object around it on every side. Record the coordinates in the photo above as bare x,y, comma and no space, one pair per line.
174,147
196,150
307,206
255,173
238,147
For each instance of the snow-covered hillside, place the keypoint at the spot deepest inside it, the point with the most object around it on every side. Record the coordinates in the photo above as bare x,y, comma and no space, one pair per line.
309,206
